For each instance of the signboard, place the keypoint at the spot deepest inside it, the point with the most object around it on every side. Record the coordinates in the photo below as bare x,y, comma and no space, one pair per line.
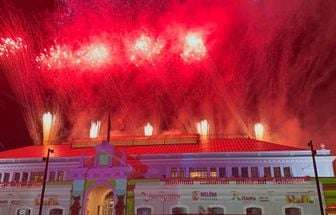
201,195
161,196
249,197
47,201
3,202
303,198
15,202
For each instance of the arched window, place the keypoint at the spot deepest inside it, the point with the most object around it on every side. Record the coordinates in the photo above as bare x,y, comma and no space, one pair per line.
293,211
144,211
179,210
253,211
24,211
216,211
56,211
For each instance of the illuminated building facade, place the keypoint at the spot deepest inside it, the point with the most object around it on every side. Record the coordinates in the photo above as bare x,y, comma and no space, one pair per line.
165,175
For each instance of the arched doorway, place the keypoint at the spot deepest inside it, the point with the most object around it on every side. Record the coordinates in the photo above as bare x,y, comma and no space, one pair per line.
108,204
100,201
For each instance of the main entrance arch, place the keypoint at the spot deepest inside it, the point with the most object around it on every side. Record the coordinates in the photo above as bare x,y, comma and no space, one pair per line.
100,201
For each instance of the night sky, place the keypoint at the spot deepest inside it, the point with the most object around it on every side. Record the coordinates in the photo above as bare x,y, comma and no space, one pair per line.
274,62
13,132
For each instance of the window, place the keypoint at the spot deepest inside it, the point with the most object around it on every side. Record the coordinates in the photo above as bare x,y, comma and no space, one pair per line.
244,172
235,172
253,211
254,172
144,211
52,176
267,171
222,173
182,172
24,211
198,173
17,177
173,173
24,177
179,210
293,211
6,177
56,211
60,176
36,177
213,172
287,172
277,171
216,210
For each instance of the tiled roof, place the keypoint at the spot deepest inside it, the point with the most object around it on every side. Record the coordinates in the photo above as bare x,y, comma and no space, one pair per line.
214,145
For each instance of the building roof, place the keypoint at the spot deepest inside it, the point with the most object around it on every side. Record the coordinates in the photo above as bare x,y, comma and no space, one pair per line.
209,146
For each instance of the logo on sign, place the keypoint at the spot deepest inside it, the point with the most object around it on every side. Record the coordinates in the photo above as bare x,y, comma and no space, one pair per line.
160,196
199,195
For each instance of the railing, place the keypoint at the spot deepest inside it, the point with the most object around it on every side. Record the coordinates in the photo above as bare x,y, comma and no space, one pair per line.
21,185
140,140
293,180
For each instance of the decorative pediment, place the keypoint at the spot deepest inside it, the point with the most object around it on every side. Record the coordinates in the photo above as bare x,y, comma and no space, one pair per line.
104,153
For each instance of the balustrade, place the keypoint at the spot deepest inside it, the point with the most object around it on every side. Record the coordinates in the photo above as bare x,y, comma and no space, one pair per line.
296,180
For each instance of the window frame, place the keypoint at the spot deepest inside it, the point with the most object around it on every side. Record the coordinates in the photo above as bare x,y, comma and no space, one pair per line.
235,172
174,172
287,172
198,172
23,207
254,172
213,172
217,206
253,207
179,206
277,171
269,170
183,172
63,210
222,172
292,206
144,206
244,172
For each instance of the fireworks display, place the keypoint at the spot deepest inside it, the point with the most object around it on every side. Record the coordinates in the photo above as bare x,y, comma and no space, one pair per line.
203,127
95,129
59,57
9,46
148,130
48,120
145,49
259,131
175,63
194,48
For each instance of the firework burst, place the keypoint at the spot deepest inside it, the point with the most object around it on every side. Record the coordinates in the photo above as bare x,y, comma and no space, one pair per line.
9,46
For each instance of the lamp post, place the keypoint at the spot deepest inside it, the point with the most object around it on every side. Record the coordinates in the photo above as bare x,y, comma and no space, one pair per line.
10,199
313,152
164,199
45,179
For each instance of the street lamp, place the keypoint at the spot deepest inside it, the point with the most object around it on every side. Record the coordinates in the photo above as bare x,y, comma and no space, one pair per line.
313,152
45,179
164,199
